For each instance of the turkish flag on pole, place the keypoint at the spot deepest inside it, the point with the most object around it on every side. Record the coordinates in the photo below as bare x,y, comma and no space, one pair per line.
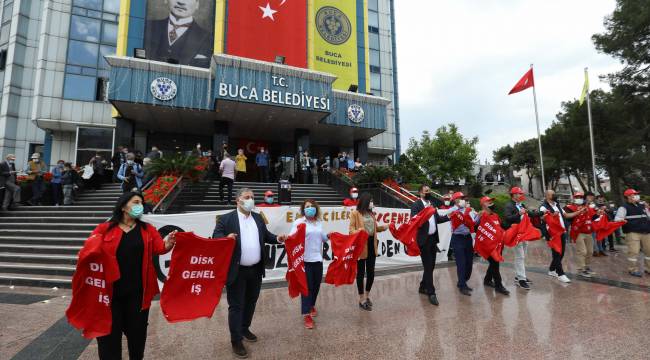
555,230
407,232
524,83
264,29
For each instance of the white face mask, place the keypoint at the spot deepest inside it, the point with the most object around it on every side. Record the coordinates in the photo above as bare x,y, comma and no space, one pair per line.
354,195
578,201
248,205
636,197
462,203
593,206
447,202
372,205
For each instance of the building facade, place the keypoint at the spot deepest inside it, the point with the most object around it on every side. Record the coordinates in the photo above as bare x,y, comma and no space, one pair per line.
64,92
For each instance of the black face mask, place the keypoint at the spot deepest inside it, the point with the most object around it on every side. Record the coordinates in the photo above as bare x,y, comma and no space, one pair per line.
428,196
492,207
554,198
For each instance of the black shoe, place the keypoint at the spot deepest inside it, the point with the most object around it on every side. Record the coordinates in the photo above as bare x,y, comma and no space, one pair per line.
422,291
489,283
522,284
465,291
249,336
469,288
369,302
239,350
365,306
528,280
433,299
502,290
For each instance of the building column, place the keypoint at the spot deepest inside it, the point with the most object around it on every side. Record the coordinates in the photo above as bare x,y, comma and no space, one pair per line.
140,141
220,136
361,150
123,133
302,140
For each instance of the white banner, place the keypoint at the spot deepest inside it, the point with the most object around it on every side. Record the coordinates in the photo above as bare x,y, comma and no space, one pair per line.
279,219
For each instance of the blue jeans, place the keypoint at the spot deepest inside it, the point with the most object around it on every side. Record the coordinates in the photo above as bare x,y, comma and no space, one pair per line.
464,251
598,245
38,186
314,273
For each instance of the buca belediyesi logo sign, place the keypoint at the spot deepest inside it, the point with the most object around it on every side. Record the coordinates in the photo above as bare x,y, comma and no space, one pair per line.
356,113
333,25
163,89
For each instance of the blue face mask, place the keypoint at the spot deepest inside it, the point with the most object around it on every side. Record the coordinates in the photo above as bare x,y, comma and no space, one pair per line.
269,200
310,212
136,211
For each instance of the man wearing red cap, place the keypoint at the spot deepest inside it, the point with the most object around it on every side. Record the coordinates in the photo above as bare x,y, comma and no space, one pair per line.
269,200
581,233
353,200
461,239
637,229
514,211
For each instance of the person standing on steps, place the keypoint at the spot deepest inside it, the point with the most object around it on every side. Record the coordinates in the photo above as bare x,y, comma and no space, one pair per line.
35,171
131,174
428,239
247,266
363,218
227,171
262,162
8,180
240,161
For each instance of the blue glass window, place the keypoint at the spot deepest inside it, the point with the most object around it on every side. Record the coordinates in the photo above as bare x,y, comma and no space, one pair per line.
109,33
373,19
82,53
375,81
79,87
84,28
103,51
112,6
372,5
374,57
90,4
373,40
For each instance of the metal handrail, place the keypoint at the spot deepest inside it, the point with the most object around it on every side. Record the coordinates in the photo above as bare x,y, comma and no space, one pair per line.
167,194
148,184
404,197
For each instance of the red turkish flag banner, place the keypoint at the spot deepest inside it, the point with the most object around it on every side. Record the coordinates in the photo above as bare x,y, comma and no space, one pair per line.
524,231
197,274
555,231
407,232
489,237
582,223
346,250
296,277
264,29
457,219
604,227
524,83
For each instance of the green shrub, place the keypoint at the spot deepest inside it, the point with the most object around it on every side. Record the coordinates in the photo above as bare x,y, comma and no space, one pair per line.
374,174
186,166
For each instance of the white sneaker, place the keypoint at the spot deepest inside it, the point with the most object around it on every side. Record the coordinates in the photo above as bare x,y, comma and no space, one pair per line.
552,273
564,279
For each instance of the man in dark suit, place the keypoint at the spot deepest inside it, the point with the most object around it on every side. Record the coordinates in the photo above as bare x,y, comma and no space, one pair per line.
178,37
8,181
427,238
246,267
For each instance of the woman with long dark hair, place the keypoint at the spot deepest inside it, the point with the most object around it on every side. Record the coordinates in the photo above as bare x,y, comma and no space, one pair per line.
132,244
363,218
315,236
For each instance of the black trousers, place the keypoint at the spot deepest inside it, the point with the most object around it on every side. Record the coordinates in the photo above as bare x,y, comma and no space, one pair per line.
226,182
428,253
242,297
367,267
464,257
556,262
610,240
127,319
57,193
264,173
314,274
493,273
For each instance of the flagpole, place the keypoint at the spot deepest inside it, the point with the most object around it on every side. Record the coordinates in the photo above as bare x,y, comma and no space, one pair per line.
591,134
539,137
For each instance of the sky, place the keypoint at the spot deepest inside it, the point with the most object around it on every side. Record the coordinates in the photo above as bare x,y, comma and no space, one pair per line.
458,59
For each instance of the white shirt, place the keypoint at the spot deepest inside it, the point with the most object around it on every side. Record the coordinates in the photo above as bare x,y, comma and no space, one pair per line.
314,239
432,220
555,209
181,30
251,252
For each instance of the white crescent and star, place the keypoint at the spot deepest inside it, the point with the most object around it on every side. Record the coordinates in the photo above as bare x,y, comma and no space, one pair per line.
267,11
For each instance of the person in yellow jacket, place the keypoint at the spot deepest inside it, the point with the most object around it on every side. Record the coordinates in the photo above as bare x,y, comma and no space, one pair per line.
240,162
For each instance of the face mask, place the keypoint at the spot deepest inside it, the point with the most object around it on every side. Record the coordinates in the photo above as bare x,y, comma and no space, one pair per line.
578,201
60,165
462,203
447,202
36,160
310,212
130,162
248,205
592,205
354,195
492,207
636,197
136,211
269,200
11,161
428,196
371,205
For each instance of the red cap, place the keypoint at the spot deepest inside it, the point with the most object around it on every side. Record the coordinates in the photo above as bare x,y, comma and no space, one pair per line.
486,199
630,192
354,190
457,195
579,194
516,190
269,193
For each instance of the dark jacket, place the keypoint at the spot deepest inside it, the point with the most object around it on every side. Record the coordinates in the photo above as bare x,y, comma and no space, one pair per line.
229,224
423,231
511,214
193,48
5,173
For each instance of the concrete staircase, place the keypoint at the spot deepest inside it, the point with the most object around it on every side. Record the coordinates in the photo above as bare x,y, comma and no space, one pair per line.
39,244
204,196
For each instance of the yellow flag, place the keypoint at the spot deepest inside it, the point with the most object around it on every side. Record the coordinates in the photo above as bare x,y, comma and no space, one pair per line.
585,88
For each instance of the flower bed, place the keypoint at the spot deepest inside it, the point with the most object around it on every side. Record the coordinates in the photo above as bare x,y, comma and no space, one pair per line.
154,194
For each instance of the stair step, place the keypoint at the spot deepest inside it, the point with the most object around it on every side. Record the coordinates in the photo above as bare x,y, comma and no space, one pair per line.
51,225
53,220
38,258
36,269
47,213
40,249
36,280
43,240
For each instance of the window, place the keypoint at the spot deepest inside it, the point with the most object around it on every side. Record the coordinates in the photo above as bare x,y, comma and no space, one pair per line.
372,5
373,40
375,82
93,35
373,19
7,12
374,57
91,141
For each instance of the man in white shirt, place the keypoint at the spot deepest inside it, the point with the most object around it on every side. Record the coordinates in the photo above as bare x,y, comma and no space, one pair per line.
246,267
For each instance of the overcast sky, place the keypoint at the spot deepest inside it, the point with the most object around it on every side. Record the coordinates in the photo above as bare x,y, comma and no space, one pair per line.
458,59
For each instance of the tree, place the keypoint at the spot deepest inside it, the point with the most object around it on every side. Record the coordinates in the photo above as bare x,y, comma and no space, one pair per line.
503,159
627,37
445,156
524,157
409,171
